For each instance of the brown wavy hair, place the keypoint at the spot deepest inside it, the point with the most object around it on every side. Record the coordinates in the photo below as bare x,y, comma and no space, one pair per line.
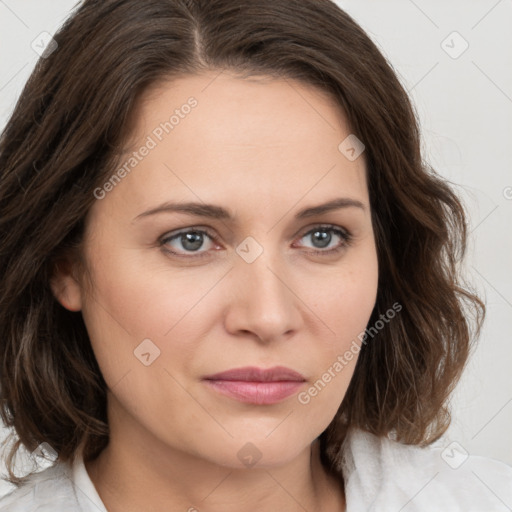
64,139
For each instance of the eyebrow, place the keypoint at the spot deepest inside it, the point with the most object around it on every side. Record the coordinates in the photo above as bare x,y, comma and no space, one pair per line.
218,212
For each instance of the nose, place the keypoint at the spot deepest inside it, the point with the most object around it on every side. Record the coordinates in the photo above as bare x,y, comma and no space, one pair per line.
262,302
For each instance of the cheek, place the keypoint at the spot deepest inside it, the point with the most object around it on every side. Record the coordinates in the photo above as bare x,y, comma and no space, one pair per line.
348,305
133,302
344,304
144,299
347,296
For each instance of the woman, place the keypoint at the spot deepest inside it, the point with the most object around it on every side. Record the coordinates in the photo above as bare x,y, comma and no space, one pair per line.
229,282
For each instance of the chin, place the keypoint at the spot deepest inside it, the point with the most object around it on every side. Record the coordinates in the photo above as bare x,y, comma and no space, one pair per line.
258,453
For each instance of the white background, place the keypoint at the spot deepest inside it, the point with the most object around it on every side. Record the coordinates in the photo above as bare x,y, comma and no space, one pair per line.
465,108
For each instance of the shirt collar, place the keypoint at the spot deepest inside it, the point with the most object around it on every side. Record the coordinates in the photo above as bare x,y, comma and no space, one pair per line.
86,493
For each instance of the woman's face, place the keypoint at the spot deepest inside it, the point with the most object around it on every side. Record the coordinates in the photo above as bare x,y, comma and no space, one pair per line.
166,311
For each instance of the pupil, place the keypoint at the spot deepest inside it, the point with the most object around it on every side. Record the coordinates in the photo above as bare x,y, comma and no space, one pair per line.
194,238
325,237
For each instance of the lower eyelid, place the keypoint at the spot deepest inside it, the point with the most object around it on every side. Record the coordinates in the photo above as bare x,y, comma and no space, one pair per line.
345,236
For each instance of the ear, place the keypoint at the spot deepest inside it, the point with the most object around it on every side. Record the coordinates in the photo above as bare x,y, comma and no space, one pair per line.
65,285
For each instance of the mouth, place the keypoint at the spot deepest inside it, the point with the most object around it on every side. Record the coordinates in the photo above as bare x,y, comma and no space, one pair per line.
255,385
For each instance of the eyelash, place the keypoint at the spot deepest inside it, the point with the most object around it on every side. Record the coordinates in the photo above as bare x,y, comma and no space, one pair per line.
345,235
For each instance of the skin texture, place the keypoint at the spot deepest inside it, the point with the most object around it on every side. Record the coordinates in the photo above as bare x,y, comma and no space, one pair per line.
264,149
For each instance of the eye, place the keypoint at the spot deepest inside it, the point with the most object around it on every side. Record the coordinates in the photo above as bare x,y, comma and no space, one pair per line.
190,240
322,236
193,239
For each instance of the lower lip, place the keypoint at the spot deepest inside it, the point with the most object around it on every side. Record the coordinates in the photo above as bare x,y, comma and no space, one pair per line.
260,393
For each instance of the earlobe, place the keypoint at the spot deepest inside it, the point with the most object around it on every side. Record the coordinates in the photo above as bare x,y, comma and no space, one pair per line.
65,286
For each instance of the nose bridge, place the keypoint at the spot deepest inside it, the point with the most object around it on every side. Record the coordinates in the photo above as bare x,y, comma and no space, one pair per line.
263,303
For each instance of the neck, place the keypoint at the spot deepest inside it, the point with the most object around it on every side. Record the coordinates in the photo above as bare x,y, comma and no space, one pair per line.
164,478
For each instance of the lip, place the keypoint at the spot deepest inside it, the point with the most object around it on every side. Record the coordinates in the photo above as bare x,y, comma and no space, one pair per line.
256,385
255,374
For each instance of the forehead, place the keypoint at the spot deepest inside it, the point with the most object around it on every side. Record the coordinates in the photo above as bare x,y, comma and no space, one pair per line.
273,138
233,111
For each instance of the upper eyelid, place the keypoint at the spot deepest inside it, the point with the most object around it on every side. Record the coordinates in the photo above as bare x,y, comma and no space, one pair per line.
209,232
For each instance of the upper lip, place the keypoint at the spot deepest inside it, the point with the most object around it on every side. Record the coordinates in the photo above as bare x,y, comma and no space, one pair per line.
255,374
